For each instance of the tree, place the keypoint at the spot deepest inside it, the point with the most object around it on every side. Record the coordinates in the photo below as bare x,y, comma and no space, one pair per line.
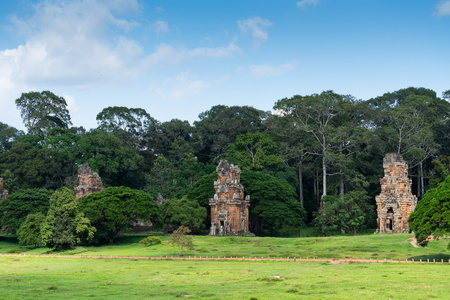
184,212
274,209
29,232
43,111
432,214
8,136
181,239
350,212
254,151
220,126
162,178
116,208
110,157
64,225
131,125
321,116
19,204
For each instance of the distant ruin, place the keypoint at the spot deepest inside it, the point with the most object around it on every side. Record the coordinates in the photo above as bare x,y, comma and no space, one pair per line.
396,202
88,182
229,209
3,192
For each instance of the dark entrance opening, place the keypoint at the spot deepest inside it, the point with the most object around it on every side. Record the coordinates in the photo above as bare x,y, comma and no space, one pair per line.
390,214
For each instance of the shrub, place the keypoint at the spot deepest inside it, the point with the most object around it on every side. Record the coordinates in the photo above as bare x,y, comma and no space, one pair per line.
150,240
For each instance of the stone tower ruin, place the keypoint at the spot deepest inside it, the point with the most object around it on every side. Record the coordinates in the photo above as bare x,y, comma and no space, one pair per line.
89,182
396,202
229,209
3,192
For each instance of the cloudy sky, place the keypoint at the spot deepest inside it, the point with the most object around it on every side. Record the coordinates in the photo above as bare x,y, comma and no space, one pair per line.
179,58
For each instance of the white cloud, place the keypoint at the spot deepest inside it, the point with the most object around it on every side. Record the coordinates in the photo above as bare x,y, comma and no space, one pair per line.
180,87
71,103
67,44
255,27
167,54
303,3
261,71
161,27
443,9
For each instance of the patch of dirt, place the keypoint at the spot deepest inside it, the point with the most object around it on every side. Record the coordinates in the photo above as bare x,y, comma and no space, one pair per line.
413,241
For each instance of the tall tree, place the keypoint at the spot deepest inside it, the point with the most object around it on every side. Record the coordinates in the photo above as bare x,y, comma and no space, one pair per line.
64,225
254,151
8,136
220,126
116,163
43,111
321,116
130,124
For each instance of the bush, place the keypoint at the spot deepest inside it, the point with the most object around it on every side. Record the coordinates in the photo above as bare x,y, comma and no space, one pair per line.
150,240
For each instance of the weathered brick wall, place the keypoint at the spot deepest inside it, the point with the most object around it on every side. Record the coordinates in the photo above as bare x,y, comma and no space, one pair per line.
88,182
396,201
229,209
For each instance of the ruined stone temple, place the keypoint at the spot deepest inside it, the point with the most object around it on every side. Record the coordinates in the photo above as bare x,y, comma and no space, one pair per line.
89,182
396,202
3,192
229,209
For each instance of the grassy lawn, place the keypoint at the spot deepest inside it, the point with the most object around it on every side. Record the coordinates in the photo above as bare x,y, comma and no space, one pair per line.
58,278
393,246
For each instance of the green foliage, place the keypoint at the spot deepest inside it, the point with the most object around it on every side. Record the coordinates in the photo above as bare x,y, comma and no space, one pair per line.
254,151
432,214
150,240
181,239
19,204
29,232
8,135
64,226
349,212
43,111
167,179
10,182
220,126
34,167
116,163
440,170
184,212
116,208
274,208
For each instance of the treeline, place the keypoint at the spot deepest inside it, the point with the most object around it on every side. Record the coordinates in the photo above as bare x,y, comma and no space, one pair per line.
315,159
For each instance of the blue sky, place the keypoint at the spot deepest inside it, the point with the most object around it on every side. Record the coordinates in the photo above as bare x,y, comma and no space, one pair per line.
179,58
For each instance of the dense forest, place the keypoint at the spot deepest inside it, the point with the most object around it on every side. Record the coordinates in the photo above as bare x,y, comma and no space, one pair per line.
312,154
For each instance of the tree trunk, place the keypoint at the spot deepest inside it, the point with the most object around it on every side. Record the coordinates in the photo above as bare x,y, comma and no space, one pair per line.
300,185
324,175
422,185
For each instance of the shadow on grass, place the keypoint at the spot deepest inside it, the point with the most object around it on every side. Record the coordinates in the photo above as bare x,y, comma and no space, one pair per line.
437,256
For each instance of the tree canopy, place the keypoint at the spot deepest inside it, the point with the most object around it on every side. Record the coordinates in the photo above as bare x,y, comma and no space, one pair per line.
116,208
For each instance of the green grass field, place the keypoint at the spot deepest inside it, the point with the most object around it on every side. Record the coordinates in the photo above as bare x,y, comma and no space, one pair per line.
57,278
393,246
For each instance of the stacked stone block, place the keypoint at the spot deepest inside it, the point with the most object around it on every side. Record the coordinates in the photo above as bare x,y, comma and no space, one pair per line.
89,182
229,208
396,201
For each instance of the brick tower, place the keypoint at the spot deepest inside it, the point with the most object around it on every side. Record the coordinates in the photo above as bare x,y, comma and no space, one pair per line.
229,209
396,202
89,182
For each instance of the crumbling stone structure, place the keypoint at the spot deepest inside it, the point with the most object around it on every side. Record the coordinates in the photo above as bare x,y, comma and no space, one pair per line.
89,182
229,209
3,192
396,202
